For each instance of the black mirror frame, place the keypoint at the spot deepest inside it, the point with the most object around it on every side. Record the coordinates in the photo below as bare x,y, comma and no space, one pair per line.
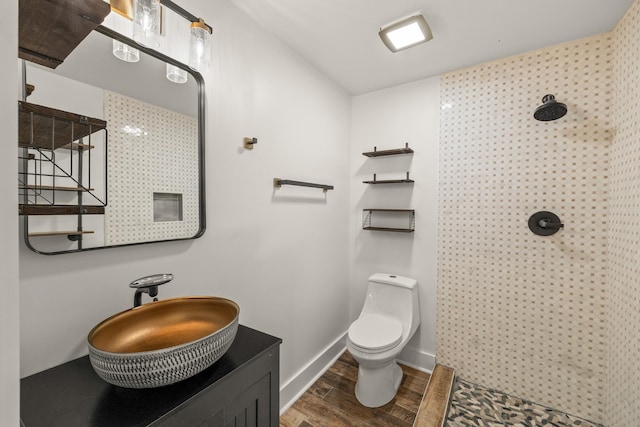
201,143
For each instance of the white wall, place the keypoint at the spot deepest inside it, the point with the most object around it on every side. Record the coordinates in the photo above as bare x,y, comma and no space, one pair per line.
282,255
388,119
9,302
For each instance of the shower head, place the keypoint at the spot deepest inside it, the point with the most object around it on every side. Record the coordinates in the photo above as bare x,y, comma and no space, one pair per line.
550,109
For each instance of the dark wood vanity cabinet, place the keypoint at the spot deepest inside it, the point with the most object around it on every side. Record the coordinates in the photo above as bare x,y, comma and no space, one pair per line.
242,400
241,389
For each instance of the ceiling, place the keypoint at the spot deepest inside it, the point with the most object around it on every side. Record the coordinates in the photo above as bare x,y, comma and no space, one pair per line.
339,37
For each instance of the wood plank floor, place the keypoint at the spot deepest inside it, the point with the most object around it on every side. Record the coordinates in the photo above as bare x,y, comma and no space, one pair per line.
331,401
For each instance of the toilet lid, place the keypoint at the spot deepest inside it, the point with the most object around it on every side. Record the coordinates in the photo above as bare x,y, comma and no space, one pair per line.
375,332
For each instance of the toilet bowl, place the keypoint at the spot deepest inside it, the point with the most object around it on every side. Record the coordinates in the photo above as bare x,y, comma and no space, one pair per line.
389,318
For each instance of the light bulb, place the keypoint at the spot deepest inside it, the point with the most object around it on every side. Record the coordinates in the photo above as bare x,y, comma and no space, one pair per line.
146,23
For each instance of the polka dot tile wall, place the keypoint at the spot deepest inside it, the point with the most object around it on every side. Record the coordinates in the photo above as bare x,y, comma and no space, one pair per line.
518,312
159,145
622,391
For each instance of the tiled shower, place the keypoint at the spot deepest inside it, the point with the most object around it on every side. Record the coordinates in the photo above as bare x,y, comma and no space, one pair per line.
552,319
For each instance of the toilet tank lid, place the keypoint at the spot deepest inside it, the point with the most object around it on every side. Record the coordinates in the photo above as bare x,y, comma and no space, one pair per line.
393,279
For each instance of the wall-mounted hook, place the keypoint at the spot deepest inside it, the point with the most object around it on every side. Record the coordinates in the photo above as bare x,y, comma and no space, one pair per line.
250,142
545,223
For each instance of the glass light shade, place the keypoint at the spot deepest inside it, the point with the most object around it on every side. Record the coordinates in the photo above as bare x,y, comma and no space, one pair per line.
146,22
125,52
199,48
176,74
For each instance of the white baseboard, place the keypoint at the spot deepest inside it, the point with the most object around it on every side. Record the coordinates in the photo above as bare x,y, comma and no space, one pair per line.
294,388
417,359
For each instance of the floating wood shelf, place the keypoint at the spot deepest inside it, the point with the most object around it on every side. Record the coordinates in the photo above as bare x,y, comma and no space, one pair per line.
389,181
396,230
56,188
367,214
49,30
393,152
77,146
60,210
52,129
390,210
59,233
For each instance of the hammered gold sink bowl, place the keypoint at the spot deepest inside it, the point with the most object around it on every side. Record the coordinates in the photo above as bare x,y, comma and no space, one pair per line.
163,342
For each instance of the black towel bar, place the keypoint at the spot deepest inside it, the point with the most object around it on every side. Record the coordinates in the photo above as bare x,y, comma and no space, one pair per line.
277,183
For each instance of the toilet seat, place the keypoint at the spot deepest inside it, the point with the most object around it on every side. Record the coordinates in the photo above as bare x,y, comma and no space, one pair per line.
375,332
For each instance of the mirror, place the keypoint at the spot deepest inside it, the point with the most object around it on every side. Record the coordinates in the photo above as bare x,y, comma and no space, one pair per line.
138,180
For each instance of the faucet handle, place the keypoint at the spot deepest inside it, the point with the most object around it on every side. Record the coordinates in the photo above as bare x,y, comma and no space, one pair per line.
153,280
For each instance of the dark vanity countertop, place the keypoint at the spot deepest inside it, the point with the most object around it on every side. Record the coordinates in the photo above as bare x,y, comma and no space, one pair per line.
72,394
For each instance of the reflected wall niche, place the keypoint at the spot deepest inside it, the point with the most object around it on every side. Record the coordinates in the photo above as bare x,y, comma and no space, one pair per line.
160,149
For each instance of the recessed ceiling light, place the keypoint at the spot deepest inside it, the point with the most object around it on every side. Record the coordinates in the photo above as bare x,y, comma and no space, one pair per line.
406,33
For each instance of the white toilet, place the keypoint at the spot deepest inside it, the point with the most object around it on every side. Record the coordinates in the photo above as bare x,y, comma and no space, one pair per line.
389,318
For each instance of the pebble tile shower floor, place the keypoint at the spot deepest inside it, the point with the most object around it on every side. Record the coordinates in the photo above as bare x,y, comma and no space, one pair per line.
473,405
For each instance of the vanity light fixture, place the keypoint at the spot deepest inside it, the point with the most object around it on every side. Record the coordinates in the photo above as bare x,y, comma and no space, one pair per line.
147,23
405,33
199,45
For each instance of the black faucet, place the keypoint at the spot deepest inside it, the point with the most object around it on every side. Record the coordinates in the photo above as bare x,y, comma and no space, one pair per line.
148,285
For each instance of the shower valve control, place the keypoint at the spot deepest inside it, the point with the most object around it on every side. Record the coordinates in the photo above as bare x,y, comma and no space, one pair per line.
545,223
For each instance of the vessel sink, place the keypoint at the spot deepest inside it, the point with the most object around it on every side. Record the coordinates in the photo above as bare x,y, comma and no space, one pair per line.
162,342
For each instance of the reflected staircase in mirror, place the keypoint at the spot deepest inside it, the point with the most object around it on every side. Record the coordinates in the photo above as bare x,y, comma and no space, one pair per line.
54,175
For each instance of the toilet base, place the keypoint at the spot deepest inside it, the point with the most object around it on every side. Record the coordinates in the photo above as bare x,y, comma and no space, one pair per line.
378,386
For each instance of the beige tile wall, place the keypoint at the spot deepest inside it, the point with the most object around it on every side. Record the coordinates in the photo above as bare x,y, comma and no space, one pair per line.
150,149
622,354
518,312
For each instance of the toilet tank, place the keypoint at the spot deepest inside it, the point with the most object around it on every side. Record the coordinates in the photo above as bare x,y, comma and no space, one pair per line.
393,279
396,296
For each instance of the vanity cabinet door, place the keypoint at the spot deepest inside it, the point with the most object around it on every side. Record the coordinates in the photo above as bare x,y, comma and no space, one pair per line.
247,398
216,420
251,408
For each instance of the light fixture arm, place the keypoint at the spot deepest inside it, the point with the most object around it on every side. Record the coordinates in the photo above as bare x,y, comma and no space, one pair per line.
201,24
185,14
125,8
146,32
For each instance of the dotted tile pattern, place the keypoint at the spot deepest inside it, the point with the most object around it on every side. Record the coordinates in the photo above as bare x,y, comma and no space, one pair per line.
161,147
516,311
622,385
474,405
